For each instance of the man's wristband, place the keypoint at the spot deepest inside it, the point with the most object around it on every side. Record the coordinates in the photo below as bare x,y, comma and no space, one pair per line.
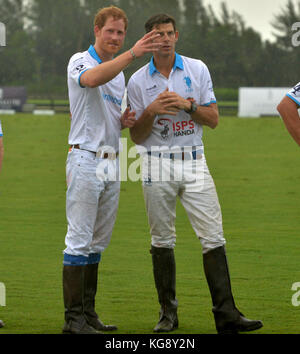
132,53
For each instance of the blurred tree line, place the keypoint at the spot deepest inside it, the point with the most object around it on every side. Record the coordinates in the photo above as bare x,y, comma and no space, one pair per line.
42,35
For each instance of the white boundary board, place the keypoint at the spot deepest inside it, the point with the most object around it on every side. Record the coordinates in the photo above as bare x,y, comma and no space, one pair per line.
260,101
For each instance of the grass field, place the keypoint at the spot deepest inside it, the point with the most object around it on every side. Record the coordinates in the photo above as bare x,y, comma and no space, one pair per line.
255,165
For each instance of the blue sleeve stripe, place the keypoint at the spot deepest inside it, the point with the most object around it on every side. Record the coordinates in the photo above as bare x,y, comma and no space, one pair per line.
1,135
80,77
208,104
294,99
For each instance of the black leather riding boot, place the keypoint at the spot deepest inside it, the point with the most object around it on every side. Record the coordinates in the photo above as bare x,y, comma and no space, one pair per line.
164,271
228,318
90,290
73,282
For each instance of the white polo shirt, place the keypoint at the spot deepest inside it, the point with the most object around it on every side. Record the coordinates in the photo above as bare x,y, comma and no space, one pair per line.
294,94
1,133
190,78
95,112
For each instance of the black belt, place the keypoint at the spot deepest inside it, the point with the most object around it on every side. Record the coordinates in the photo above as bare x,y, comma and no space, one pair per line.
101,154
77,146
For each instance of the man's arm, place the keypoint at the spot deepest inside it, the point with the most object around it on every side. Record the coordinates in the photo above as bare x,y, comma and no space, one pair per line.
288,109
106,71
1,152
207,115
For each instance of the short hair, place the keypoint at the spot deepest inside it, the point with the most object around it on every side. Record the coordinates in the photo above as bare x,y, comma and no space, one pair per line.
158,20
112,11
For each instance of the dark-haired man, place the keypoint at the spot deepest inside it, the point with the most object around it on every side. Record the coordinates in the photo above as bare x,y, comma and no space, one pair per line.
173,98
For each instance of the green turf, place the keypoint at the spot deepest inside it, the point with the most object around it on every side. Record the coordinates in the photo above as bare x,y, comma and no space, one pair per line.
255,165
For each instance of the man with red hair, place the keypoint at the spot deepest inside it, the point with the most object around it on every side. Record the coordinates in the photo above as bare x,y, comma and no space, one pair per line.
96,88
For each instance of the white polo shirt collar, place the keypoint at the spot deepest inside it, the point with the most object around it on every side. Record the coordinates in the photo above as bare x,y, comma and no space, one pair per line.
177,64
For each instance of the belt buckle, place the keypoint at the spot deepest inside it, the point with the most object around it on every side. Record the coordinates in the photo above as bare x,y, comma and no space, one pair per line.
106,155
100,154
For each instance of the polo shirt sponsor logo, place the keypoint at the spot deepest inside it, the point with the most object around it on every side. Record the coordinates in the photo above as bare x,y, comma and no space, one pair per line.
151,91
165,122
184,127
80,68
180,128
188,83
112,99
